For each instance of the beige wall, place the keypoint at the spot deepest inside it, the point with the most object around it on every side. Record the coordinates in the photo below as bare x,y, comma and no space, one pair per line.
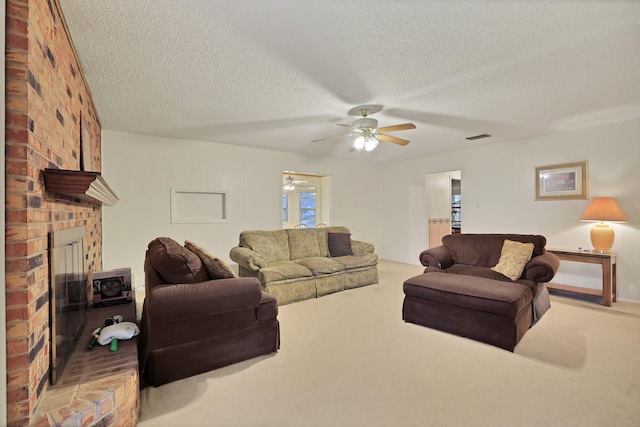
382,204
498,195
141,169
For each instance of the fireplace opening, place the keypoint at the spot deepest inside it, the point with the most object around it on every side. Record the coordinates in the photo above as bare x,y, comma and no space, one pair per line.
68,300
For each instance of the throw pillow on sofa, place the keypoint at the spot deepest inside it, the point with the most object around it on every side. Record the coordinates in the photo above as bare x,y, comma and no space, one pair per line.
216,268
513,258
339,244
175,263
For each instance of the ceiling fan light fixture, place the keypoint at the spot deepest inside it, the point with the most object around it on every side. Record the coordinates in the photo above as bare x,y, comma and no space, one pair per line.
289,185
366,130
365,122
365,143
370,144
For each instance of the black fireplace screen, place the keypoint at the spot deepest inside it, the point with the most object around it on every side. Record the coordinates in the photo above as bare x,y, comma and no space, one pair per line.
68,295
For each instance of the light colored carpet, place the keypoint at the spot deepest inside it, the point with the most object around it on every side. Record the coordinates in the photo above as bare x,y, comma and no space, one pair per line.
348,359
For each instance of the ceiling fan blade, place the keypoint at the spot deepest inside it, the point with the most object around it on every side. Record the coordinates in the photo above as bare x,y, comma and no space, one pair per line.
389,138
394,128
331,137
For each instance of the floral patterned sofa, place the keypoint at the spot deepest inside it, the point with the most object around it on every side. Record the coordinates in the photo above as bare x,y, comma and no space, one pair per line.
298,264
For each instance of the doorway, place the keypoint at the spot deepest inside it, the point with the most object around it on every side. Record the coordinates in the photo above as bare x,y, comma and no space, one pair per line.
305,200
444,205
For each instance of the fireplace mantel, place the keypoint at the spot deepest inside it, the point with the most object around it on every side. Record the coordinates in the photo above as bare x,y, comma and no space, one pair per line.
80,185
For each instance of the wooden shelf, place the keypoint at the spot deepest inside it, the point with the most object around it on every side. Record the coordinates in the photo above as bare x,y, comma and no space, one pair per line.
86,186
574,289
606,260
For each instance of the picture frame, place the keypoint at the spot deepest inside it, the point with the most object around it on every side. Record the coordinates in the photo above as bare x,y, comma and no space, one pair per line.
566,181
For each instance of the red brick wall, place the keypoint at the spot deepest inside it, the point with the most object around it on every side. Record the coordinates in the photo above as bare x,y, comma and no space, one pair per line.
46,96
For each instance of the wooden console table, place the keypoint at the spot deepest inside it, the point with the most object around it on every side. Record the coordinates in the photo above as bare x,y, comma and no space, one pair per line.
608,262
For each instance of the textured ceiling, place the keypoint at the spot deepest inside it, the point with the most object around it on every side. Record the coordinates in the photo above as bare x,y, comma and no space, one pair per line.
277,74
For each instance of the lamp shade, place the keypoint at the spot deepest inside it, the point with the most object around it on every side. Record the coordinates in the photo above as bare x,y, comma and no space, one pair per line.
603,209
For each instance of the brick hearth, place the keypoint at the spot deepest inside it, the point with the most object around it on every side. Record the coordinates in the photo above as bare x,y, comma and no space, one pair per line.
96,387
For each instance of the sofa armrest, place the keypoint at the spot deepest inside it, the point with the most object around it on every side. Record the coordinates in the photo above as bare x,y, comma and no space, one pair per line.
248,259
192,300
438,257
541,268
361,248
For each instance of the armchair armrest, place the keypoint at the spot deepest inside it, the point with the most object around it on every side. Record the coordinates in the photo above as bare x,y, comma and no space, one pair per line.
248,259
192,300
361,248
437,257
542,268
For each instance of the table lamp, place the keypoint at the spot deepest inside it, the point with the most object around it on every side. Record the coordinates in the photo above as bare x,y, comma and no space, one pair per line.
603,209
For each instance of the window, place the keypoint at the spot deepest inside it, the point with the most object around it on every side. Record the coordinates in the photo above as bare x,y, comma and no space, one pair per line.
285,210
308,208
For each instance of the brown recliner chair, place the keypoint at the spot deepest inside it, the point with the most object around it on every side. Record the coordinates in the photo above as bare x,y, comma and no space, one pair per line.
197,316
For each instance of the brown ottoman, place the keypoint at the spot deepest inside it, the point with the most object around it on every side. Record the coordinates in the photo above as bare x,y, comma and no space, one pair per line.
486,310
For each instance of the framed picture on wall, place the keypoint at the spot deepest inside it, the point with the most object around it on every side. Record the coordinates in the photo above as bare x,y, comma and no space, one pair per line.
564,181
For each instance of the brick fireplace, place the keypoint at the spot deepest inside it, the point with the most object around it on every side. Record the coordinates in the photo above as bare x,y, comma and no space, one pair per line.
47,98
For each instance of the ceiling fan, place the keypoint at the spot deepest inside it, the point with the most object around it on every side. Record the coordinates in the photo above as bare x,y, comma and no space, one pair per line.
288,181
367,131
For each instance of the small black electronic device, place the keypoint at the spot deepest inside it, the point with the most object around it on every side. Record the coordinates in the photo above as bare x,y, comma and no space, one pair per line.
111,290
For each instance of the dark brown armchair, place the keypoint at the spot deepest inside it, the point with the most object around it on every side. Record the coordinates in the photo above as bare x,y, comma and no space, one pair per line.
475,254
197,316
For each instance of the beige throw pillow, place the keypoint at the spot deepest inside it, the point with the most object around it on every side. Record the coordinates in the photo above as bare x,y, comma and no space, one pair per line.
513,258
216,268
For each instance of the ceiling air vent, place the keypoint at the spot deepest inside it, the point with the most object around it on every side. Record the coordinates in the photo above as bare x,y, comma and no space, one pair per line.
473,138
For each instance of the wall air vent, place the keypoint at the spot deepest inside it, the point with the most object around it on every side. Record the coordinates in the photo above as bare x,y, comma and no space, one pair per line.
481,136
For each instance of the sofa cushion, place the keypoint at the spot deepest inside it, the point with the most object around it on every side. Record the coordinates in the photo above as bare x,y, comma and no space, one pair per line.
339,244
272,245
283,270
474,293
216,268
320,265
484,272
350,262
513,257
485,249
175,263
474,270
303,243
